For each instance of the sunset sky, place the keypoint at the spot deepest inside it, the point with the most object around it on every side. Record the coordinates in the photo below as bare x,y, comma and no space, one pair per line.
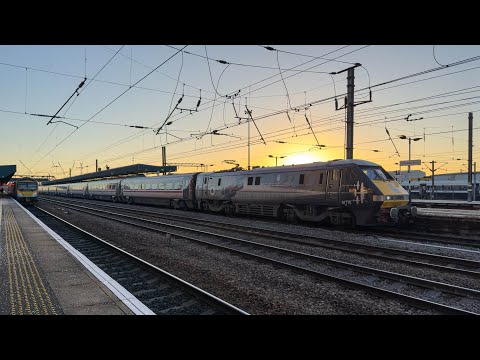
283,85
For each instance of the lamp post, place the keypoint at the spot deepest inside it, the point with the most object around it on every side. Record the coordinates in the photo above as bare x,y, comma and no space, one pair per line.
276,158
403,137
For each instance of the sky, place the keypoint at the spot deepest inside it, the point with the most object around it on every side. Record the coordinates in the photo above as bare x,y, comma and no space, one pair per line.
130,91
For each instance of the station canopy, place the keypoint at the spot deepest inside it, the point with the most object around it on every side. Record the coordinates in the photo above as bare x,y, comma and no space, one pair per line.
6,173
123,171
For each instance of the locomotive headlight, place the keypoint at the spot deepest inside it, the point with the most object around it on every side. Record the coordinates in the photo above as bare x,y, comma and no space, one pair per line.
388,197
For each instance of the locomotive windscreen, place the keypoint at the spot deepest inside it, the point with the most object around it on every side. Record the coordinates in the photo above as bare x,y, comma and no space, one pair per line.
27,186
376,173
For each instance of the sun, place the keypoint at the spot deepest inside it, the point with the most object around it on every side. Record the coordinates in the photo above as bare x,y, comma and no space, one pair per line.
301,159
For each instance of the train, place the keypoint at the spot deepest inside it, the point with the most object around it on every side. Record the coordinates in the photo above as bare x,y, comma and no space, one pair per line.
24,190
341,192
443,189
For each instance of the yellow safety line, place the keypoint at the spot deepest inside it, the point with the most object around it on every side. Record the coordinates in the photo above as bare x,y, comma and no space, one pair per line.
20,306
40,281
23,251
30,262
10,280
17,252
45,292
22,268
34,272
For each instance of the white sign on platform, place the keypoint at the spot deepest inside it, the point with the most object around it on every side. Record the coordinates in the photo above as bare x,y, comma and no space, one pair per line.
410,162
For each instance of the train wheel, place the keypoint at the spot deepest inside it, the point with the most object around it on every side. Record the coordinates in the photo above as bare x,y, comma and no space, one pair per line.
353,222
182,206
205,206
290,216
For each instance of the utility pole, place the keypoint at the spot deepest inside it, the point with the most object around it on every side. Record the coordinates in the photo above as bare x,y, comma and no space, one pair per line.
349,105
248,124
404,137
249,113
432,195
470,145
474,179
433,180
164,158
350,99
96,165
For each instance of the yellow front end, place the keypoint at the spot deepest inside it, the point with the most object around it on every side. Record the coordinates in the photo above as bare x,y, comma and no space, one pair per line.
393,194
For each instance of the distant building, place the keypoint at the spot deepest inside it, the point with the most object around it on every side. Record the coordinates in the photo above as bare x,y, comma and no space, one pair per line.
452,186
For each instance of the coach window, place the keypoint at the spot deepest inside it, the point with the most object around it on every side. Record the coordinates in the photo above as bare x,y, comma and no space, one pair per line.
250,180
302,179
257,180
148,186
205,180
321,179
219,182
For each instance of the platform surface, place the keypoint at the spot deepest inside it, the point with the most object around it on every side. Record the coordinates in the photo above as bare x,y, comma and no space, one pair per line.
39,276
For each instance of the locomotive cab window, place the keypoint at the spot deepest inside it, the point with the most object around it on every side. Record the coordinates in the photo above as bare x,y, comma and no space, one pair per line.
257,180
250,180
376,173
219,182
302,179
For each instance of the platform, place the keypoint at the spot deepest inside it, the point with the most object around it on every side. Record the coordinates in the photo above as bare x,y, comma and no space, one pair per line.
40,276
465,214
457,203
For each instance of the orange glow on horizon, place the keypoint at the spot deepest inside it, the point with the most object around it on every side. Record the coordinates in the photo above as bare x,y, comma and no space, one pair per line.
302,158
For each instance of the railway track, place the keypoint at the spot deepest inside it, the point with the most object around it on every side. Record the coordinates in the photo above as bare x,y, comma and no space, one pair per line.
429,238
433,261
433,295
162,292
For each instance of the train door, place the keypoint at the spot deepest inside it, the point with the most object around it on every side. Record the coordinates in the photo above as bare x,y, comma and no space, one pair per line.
212,186
333,184
205,187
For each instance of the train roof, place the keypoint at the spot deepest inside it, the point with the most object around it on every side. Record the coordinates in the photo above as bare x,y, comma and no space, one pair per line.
300,167
25,179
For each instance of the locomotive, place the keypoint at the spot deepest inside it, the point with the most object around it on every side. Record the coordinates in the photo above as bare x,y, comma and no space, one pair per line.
356,192
25,190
